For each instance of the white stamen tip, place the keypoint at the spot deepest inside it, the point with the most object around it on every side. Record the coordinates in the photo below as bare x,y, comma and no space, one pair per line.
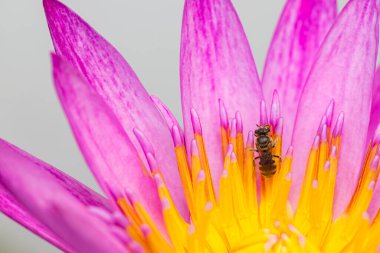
208,206
271,242
302,241
191,229
233,157
201,176
194,148
327,166
165,204
371,185
145,229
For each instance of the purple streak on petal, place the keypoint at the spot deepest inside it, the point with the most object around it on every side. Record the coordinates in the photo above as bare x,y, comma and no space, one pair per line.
343,71
114,80
104,144
216,63
375,108
30,182
10,207
300,31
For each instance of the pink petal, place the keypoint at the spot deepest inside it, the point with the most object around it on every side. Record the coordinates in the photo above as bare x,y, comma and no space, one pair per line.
302,27
373,124
107,149
10,207
32,184
111,76
216,63
343,71
375,109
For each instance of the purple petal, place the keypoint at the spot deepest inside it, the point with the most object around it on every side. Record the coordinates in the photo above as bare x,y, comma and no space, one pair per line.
375,109
301,29
216,63
343,71
373,124
10,207
31,183
107,149
114,80
81,192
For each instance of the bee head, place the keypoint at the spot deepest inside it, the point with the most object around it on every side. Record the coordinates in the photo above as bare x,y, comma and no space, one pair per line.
262,130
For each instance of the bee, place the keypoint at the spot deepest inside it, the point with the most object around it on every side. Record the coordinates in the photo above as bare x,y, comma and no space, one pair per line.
264,146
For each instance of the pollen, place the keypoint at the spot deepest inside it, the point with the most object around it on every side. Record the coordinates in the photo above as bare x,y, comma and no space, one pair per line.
251,212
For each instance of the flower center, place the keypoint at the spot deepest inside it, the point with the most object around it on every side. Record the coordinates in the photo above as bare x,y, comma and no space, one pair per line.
251,212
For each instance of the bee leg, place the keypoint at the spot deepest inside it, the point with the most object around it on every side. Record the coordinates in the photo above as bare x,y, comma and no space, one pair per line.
258,157
277,156
275,142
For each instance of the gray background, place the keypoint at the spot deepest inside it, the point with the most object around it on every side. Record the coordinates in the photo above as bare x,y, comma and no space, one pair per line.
146,32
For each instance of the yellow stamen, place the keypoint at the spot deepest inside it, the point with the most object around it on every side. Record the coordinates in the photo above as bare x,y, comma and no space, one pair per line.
237,220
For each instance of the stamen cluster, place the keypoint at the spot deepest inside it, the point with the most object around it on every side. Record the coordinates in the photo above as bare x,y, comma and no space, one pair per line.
251,212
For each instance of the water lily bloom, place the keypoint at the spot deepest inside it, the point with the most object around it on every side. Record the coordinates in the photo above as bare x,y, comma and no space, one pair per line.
205,189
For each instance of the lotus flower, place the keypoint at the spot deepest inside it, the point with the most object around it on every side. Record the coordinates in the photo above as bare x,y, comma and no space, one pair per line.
200,190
